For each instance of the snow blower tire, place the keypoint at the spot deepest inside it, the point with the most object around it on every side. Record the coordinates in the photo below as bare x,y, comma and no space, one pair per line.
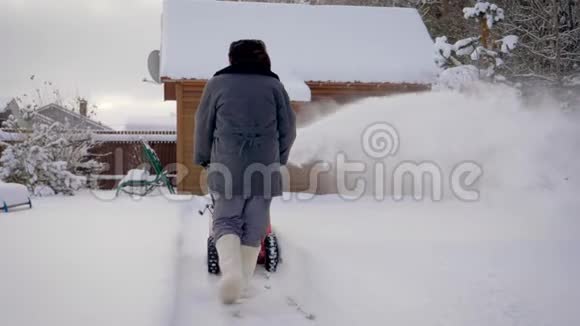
272,253
213,266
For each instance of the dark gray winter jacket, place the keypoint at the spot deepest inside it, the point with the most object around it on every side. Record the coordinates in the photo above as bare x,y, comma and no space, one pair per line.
244,130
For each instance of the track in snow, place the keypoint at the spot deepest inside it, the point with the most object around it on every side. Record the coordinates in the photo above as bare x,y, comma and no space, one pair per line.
196,301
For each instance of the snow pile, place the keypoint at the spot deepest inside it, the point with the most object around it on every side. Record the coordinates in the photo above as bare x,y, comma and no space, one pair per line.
517,147
308,43
43,191
13,194
457,78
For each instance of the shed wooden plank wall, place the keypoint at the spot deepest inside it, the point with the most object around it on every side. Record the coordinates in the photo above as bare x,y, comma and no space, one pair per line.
189,175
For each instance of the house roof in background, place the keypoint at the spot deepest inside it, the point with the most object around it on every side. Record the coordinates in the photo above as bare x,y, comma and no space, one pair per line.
4,101
88,121
157,123
306,43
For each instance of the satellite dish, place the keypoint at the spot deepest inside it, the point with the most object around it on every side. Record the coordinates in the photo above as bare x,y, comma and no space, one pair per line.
153,63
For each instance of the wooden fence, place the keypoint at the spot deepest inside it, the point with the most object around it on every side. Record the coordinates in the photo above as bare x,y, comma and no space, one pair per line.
122,151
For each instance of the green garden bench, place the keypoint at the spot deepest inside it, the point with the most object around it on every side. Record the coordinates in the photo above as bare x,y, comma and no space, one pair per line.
143,184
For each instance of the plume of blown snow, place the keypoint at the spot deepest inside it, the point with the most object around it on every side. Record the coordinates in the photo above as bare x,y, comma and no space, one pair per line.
519,146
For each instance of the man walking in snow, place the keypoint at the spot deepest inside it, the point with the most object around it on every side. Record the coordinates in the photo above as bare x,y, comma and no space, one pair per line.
245,128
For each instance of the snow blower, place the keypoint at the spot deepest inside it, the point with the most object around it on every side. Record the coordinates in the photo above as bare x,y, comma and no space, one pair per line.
269,251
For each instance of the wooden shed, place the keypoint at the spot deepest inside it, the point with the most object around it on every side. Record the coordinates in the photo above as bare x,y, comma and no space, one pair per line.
320,52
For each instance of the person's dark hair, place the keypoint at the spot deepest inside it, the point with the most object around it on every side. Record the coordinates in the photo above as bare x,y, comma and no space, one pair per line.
249,52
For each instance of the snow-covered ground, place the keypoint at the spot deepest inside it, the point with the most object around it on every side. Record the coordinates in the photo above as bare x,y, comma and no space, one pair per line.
81,261
507,261
510,258
501,262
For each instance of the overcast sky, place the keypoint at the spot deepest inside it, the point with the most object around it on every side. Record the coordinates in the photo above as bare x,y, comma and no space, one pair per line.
92,48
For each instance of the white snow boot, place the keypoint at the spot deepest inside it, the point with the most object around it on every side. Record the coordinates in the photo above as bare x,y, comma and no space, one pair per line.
230,260
249,260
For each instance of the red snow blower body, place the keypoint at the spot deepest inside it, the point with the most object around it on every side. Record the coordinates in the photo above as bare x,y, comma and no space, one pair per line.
269,251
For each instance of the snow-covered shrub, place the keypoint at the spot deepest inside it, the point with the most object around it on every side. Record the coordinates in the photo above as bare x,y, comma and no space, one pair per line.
43,191
457,78
53,156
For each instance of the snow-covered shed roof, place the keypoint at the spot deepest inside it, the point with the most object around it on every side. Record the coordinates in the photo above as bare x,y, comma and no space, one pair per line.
306,43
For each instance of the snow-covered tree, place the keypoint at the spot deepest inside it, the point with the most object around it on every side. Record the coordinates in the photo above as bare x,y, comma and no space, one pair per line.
487,15
479,51
48,156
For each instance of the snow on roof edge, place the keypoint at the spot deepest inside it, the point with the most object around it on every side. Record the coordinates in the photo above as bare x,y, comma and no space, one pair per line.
129,138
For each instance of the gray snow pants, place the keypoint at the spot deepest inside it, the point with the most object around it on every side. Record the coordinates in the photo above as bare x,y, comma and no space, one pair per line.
246,218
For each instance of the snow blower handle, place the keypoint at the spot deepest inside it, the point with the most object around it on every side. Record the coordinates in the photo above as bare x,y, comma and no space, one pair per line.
208,207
